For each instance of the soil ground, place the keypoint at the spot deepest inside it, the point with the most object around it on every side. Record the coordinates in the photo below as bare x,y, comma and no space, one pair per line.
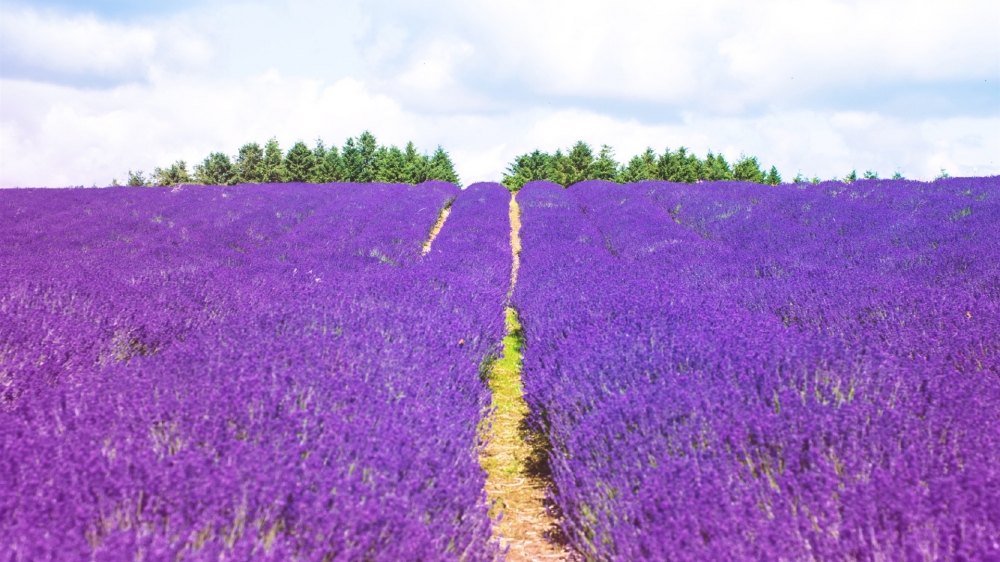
516,458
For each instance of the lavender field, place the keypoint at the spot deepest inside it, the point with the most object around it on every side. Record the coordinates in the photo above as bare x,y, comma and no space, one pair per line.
723,370
731,371
247,372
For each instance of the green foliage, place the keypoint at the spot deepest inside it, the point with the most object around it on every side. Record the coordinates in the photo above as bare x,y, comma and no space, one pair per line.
799,178
274,163
773,177
526,167
416,166
715,168
605,167
176,174
572,167
217,169
640,167
748,169
250,164
870,175
441,167
299,163
679,166
897,175
851,177
330,168
362,160
136,179
943,175
392,165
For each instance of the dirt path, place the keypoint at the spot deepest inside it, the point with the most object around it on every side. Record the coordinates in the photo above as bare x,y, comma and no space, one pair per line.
515,458
442,216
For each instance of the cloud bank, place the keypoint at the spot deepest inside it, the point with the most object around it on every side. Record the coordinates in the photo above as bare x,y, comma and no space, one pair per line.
89,91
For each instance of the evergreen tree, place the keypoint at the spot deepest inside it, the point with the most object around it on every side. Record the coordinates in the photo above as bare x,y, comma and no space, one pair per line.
360,164
417,167
559,169
368,150
136,179
177,173
799,178
392,166
217,169
680,166
716,168
299,163
773,177
526,167
870,175
319,154
330,168
250,164
579,160
897,175
442,168
274,163
851,177
748,169
641,167
605,167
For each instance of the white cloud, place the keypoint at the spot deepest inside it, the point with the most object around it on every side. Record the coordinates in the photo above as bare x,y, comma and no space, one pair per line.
802,85
73,49
78,46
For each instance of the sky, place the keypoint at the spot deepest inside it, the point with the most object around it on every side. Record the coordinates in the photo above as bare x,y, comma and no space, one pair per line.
90,89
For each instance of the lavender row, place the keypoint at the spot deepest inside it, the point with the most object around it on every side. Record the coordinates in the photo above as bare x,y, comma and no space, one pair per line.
284,393
740,371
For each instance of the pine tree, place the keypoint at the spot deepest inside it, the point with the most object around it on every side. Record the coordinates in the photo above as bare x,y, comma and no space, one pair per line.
579,160
870,175
748,169
851,177
773,177
360,164
250,164
136,179
368,149
605,167
330,168
299,163
897,175
641,167
274,163
416,166
559,169
217,169
319,154
442,167
392,166
526,167
716,168
668,166
681,167
176,174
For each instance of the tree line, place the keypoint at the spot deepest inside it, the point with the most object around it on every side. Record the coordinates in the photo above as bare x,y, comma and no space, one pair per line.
580,163
361,160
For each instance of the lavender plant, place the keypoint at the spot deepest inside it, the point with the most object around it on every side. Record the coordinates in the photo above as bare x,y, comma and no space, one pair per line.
738,371
236,372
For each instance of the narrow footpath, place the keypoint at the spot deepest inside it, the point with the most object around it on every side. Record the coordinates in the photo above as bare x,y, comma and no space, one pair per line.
515,458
